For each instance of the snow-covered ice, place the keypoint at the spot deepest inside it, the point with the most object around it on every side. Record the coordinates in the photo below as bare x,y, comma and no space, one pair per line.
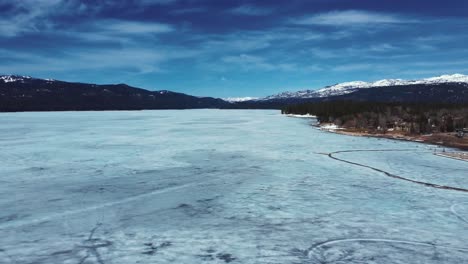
220,186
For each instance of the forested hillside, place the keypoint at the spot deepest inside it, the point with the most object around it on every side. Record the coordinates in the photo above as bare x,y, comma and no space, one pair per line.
22,93
413,118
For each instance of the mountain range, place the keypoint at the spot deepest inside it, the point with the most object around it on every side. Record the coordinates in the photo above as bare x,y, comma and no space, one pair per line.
350,87
25,93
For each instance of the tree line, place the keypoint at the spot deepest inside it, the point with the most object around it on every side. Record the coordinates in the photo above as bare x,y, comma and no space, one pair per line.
413,118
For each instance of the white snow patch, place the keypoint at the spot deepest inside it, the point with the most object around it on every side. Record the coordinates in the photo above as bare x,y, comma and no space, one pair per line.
163,92
302,116
13,78
330,127
239,99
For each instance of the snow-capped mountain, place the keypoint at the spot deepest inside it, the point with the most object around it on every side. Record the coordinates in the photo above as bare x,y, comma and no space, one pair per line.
457,78
239,99
350,87
20,78
13,78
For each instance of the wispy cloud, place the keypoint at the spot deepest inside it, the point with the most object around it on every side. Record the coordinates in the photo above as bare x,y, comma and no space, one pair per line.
38,16
27,16
270,39
383,47
242,43
134,59
354,67
366,51
352,17
132,27
251,10
247,62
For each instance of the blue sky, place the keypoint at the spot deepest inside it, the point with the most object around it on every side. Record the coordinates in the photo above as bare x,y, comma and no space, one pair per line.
229,48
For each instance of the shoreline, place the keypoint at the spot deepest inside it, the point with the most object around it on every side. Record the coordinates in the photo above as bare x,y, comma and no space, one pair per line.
301,116
440,139
454,155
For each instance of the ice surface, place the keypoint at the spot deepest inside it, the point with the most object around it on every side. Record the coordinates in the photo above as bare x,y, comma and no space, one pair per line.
219,186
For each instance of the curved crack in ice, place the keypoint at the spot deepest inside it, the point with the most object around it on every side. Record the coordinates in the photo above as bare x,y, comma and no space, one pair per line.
428,184
310,251
454,211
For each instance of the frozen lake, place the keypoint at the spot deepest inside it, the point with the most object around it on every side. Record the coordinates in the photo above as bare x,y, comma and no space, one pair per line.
220,186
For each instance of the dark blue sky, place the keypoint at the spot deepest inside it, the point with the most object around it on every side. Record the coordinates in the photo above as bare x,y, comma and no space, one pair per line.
233,48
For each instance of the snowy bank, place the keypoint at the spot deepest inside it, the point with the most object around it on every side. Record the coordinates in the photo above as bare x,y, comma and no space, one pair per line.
330,127
302,116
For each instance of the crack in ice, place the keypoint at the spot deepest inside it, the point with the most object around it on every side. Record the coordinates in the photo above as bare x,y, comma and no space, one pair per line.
16,224
428,184
310,252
